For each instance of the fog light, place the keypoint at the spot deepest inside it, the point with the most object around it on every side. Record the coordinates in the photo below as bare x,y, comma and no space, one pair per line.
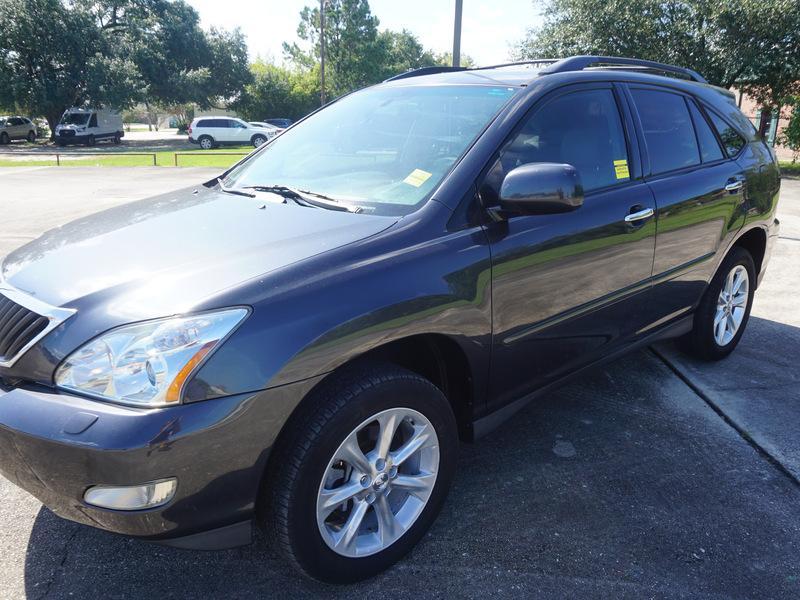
133,497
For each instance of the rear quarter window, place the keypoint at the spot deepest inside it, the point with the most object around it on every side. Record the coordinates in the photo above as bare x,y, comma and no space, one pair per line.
668,130
731,139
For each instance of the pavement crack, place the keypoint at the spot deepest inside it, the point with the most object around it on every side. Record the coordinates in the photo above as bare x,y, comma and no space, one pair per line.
729,421
60,568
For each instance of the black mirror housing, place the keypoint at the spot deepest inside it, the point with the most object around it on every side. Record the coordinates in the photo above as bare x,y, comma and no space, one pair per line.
541,188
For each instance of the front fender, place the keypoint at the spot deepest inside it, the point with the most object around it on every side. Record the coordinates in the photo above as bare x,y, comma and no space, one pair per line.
316,316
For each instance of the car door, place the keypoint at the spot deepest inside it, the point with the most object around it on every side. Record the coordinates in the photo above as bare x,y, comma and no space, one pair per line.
698,191
568,288
15,129
240,131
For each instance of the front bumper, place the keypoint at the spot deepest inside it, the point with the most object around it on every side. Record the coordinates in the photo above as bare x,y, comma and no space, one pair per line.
56,446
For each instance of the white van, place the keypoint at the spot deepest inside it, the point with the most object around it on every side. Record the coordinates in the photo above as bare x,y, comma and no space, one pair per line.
88,126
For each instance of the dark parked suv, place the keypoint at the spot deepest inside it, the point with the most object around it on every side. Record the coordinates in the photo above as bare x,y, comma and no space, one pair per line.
304,341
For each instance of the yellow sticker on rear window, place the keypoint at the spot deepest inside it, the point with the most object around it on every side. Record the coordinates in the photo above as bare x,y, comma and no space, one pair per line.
621,169
417,177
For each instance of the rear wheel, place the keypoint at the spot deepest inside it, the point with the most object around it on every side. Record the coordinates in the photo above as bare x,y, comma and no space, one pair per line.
117,138
362,474
723,313
206,142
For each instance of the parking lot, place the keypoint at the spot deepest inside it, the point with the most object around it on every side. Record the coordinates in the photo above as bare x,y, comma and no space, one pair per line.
656,476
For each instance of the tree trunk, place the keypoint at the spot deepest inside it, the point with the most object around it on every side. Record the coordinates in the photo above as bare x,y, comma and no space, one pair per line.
52,120
764,123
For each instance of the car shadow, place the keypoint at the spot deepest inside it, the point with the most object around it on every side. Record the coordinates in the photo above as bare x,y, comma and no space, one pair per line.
622,483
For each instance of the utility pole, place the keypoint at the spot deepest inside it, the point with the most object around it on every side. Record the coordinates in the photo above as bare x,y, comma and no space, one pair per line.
457,34
322,51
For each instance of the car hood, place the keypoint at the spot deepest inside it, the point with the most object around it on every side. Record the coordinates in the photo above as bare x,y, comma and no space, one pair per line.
168,254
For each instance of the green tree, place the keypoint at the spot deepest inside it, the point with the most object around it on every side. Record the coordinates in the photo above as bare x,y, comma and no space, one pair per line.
355,56
55,54
791,133
402,52
752,42
279,92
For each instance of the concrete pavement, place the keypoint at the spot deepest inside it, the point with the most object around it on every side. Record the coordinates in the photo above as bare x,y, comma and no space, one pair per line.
633,481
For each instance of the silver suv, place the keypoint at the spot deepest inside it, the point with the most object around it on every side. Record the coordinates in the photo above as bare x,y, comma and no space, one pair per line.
16,128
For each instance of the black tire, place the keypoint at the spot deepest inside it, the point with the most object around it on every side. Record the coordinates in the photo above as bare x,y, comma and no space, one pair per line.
258,140
91,140
31,137
117,139
701,342
310,441
4,139
206,142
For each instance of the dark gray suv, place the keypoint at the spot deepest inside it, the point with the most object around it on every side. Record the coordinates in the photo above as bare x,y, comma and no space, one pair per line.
303,342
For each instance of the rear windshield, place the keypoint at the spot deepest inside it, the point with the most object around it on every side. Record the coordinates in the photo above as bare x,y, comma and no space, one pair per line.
383,149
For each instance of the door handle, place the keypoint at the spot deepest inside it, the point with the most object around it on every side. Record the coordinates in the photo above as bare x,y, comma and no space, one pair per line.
734,186
645,213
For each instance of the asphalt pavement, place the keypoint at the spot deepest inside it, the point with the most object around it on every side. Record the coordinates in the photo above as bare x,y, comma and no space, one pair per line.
655,476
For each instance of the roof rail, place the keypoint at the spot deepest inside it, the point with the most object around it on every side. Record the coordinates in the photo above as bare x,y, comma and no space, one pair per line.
579,63
424,71
538,61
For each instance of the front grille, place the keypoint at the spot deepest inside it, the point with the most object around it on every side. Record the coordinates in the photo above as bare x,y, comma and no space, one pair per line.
19,326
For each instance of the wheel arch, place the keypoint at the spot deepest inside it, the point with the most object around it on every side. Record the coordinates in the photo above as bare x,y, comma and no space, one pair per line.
753,240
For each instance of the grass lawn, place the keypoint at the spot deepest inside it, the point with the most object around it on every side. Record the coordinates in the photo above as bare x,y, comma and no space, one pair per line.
790,168
197,158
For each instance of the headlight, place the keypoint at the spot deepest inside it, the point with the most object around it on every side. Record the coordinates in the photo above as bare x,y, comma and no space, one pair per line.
146,364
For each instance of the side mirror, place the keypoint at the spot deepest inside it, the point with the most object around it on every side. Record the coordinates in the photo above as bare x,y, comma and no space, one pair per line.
541,189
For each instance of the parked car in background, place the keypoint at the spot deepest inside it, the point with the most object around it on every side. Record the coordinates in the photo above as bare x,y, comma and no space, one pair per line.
210,132
16,128
88,126
282,123
271,128
303,341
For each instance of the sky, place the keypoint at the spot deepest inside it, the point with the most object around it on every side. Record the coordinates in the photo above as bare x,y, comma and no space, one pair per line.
489,27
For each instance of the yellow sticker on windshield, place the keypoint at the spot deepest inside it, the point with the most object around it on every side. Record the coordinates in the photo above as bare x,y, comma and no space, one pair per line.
621,169
417,177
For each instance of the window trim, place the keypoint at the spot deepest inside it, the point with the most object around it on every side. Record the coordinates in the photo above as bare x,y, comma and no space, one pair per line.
632,146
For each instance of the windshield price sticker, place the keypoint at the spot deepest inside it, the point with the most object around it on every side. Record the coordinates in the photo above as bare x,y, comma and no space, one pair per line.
417,177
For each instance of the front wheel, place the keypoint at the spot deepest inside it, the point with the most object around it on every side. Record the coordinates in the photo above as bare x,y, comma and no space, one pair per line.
31,137
4,139
362,473
258,140
206,142
91,140
723,313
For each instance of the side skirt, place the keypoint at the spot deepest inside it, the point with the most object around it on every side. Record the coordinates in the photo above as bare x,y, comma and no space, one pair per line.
490,422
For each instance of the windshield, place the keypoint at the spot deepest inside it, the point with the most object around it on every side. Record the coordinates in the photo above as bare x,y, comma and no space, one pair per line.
74,118
384,149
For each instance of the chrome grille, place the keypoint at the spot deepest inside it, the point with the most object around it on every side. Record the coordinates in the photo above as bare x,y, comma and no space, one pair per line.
19,326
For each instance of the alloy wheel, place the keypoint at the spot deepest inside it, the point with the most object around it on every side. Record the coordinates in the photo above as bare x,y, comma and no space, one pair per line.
378,482
731,305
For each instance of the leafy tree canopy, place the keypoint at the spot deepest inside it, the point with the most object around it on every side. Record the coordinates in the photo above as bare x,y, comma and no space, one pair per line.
755,43
56,54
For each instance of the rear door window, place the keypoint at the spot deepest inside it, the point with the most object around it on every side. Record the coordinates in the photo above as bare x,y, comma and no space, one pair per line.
668,130
709,147
731,139
581,128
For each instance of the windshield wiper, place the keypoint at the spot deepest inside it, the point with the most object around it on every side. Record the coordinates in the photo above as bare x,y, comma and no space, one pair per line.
228,190
305,197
